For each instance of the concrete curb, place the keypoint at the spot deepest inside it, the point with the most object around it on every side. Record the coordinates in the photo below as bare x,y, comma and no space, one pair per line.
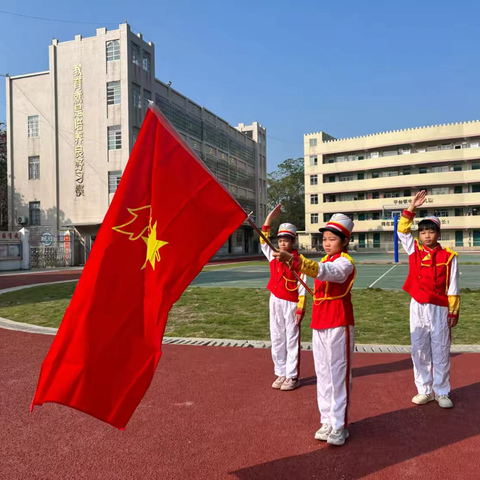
225,342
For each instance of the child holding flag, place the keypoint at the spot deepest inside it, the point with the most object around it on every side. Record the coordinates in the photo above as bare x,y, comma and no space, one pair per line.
287,306
432,283
333,325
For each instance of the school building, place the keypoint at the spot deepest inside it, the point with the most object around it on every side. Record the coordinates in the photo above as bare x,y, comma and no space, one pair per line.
371,177
72,127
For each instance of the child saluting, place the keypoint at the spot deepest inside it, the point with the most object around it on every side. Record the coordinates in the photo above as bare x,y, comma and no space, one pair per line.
287,306
432,283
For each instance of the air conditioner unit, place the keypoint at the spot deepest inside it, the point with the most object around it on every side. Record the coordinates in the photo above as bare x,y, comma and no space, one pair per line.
22,220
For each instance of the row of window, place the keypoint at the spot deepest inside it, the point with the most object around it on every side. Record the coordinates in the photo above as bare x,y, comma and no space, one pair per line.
361,217
350,197
386,174
473,143
113,54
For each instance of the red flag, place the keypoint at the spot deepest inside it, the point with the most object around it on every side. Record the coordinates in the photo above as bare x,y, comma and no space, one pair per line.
169,216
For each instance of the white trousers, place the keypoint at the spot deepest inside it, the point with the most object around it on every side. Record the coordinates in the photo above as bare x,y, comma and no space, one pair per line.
332,354
430,335
285,337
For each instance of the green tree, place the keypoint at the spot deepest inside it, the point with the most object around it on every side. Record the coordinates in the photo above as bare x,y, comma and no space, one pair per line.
3,178
286,185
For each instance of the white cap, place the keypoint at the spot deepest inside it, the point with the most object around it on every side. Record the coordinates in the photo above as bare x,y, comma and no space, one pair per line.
434,219
340,223
287,229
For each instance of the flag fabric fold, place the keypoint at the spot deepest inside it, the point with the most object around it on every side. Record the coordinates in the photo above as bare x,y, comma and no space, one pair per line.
168,217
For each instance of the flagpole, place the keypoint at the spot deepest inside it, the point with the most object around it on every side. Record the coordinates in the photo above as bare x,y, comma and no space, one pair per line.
270,244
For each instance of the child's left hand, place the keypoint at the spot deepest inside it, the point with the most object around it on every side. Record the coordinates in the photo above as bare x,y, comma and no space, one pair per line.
283,257
452,320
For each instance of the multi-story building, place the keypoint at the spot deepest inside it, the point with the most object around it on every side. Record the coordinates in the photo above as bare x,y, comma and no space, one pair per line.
71,130
371,177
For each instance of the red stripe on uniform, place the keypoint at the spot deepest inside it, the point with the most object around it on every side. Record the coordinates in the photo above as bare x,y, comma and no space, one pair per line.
347,377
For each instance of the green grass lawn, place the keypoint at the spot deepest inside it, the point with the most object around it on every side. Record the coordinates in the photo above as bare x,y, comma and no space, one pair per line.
238,313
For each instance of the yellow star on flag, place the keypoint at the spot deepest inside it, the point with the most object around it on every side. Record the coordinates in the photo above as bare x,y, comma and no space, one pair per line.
153,247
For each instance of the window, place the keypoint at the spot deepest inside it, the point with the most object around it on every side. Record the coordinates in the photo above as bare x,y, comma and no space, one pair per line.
474,145
115,138
407,193
314,218
361,196
360,176
458,189
33,129
113,51
457,168
114,181
314,199
441,169
476,188
375,174
331,179
433,148
347,197
136,131
422,170
313,161
391,195
360,157
423,213
441,213
459,212
135,54
345,178
313,142
147,60
375,155
34,213
375,216
147,97
375,195
352,237
361,217
393,173
137,99
329,198
475,166
441,191
446,146
113,93
406,172
313,179
34,168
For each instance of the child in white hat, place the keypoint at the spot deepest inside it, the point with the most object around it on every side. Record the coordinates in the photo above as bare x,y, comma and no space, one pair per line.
333,326
287,307
432,283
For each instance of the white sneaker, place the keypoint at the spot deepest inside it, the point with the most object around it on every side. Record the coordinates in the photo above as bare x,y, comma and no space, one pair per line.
324,432
338,437
290,384
422,398
444,401
277,384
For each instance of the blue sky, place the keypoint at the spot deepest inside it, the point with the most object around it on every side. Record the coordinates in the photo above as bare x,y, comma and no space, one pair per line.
348,68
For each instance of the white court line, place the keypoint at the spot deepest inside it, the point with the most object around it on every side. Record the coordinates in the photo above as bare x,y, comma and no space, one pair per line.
378,279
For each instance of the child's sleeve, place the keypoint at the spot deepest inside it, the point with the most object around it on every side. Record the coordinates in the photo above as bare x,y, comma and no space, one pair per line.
267,251
404,231
454,290
336,271
302,304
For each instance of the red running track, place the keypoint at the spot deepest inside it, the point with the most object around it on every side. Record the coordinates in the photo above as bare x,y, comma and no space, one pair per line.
18,280
211,413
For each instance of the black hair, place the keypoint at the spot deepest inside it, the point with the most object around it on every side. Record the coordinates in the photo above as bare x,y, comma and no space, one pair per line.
334,231
428,225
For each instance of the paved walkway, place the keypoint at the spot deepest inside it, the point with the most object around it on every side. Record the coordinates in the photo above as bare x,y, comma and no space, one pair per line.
211,413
